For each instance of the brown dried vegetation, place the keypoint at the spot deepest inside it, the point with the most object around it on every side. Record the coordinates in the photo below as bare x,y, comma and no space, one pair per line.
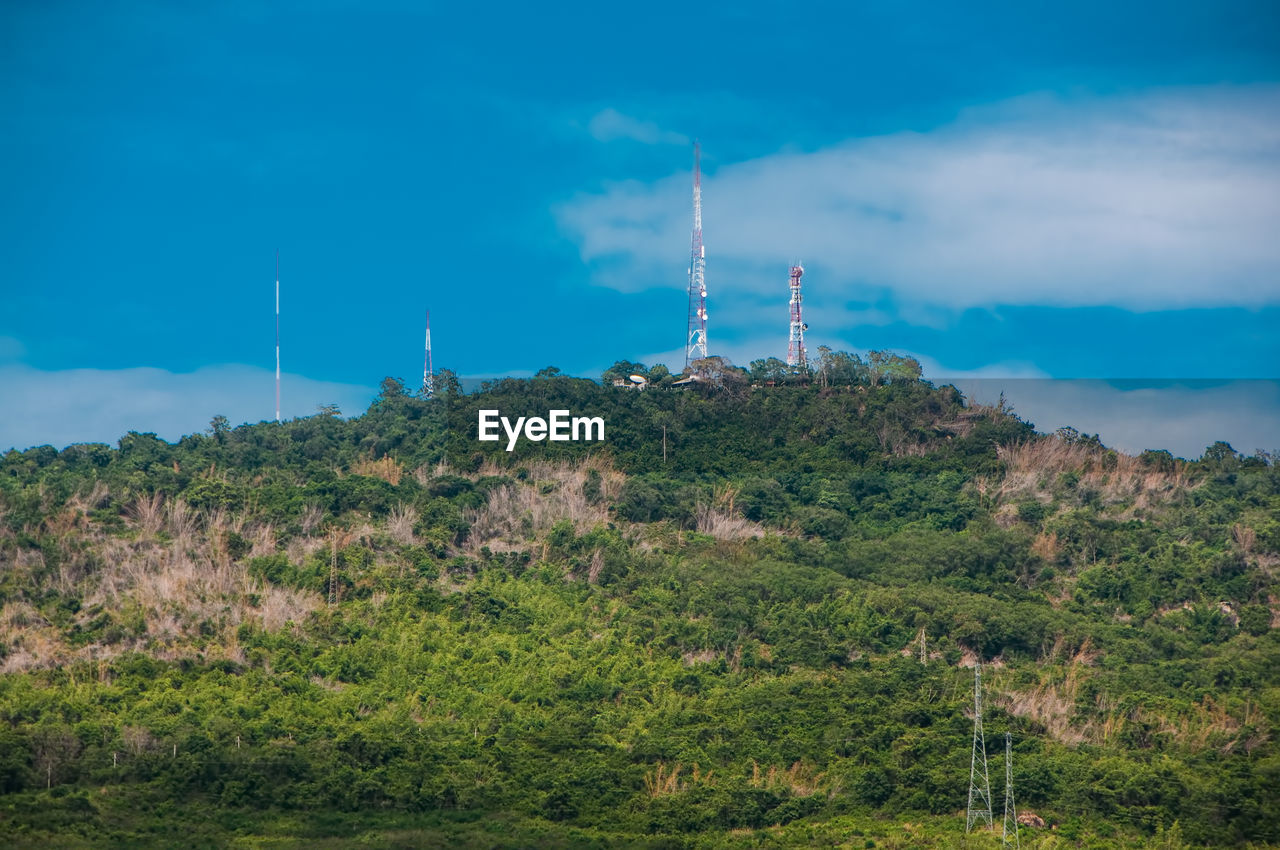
517,514
1033,467
723,525
170,587
801,780
387,468
1210,725
1052,703
1055,705
665,779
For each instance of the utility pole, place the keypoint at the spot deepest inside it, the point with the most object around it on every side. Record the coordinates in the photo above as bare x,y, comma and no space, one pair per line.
1010,810
979,807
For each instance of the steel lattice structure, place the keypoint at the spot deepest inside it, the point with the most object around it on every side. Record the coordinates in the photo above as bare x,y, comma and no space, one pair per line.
1009,837
696,340
979,807
796,357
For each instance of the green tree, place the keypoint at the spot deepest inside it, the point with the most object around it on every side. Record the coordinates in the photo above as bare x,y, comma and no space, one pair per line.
447,383
218,426
622,371
769,370
391,388
886,366
719,373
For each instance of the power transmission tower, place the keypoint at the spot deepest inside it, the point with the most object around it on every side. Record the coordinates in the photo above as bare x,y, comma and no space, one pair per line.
979,807
1010,810
333,570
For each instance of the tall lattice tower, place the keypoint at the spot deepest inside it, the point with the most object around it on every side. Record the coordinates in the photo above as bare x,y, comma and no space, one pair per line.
696,341
979,807
1009,829
795,345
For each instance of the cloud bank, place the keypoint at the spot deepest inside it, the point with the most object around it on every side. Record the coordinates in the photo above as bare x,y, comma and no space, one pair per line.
99,405
1181,417
1163,200
610,125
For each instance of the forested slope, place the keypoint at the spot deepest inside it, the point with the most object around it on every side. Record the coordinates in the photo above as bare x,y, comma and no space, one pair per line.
381,629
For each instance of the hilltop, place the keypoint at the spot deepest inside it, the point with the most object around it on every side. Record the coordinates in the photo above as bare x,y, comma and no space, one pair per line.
748,617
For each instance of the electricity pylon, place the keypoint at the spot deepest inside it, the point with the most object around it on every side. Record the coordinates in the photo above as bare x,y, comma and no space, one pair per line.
979,807
1010,810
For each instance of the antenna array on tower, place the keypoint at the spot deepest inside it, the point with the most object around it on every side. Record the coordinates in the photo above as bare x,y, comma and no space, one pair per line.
696,341
795,345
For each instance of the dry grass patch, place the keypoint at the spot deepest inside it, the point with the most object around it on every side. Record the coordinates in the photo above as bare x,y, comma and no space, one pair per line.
721,518
1210,725
400,524
386,468
1032,469
171,589
518,513
800,780
1052,703
665,779
723,525
1047,546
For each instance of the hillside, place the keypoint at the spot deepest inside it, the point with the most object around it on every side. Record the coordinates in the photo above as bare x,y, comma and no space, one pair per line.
380,629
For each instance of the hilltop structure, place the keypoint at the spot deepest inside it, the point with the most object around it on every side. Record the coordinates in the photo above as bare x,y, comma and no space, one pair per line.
696,339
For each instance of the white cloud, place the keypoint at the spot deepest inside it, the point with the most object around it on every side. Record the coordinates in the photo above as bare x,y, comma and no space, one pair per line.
1005,369
100,405
610,125
1165,200
1182,418
11,349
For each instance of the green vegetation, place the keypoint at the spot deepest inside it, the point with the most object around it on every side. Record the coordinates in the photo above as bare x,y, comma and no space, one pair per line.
765,639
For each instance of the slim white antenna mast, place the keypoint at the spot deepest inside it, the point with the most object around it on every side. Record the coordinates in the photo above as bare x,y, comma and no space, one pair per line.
277,335
428,370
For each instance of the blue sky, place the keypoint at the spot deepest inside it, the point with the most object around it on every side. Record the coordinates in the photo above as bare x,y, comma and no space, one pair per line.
1089,190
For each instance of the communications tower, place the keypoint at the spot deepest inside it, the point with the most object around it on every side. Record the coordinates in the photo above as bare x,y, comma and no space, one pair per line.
795,346
428,372
277,335
696,340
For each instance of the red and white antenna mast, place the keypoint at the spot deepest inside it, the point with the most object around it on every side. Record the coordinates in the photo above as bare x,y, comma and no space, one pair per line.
428,371
795,345
696,342
277,335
